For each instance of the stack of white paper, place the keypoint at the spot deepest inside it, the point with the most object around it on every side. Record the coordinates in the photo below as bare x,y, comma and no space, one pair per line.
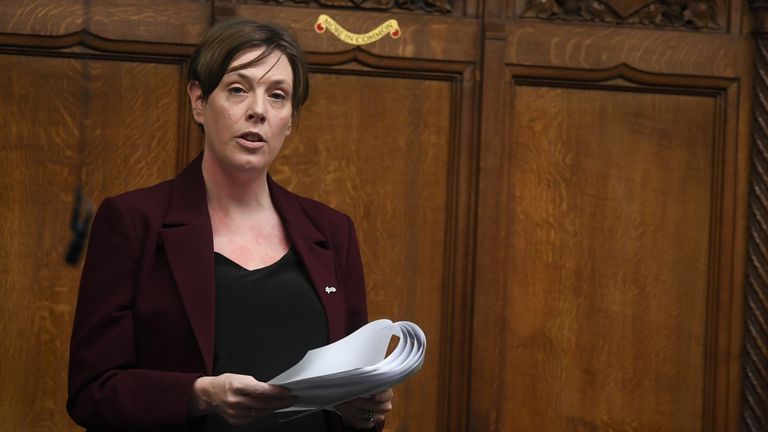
355,366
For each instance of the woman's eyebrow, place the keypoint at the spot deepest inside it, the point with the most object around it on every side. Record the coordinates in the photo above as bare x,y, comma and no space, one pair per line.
245,77
241,75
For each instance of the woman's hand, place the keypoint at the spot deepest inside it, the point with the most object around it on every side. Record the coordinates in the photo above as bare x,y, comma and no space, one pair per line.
363,413
237,398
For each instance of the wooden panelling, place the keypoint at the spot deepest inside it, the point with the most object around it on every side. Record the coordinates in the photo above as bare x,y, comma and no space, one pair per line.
424,37
611,241
41,17
101,122
703,16
174,21
561,205
434,7
357,149
169,21
133,129
36,187
593,48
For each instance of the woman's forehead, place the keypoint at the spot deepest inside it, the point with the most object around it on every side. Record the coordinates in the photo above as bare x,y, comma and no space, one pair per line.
275,64
247,55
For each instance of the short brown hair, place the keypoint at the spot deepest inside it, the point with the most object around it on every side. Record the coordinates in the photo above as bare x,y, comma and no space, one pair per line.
227,39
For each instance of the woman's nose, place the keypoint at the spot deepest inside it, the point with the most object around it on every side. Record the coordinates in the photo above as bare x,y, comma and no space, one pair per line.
257,111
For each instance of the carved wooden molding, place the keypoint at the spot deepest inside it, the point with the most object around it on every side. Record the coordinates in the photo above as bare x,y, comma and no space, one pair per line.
754,407
692,14
429,6
453,71
612,77
84,38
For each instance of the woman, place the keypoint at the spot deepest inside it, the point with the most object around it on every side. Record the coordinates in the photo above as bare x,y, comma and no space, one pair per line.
198,290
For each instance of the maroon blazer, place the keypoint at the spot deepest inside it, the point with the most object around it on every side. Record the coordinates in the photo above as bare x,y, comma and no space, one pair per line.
144,324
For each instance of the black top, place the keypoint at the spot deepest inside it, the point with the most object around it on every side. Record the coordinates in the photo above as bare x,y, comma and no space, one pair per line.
266,320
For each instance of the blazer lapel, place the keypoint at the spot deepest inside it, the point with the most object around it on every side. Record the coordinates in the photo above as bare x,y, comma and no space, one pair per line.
317,255
188,240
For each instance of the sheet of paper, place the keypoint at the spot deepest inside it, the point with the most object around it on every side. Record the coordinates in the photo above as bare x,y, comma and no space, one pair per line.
359,349
355,366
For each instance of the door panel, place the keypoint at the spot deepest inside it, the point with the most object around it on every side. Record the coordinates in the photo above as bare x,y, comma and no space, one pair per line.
102,123
609,256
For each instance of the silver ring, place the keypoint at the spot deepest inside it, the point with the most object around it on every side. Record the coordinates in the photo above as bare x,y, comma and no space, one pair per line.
368,417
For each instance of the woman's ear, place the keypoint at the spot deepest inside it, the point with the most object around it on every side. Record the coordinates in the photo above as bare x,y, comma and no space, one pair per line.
196,99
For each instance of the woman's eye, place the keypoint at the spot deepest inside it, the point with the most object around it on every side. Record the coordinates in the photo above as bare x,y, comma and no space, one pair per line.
236,90
277,96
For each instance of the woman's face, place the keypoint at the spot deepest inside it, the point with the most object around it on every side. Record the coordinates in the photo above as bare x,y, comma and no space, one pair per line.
248,115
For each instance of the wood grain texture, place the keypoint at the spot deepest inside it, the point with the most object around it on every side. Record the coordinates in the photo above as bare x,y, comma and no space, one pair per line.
168,21
584,47
610,255
358,149
173,21
140,132
110,120
38,289
41,17
609,260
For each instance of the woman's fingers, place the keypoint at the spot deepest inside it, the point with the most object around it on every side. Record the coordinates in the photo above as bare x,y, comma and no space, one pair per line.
241,398
380,402
363,413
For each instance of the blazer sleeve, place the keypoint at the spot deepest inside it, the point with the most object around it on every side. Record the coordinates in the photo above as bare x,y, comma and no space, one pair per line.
106,387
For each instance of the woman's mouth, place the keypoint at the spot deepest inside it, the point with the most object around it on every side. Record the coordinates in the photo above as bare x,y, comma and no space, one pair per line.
252,137
251,140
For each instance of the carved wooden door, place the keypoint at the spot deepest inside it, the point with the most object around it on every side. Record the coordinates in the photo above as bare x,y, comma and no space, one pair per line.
609,272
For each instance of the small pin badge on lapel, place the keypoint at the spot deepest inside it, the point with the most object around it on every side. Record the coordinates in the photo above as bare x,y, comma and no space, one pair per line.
329,290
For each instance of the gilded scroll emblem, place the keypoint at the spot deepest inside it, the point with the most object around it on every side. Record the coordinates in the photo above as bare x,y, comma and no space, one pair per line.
390,27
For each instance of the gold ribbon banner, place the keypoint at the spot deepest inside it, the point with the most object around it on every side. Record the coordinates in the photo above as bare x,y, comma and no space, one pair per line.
390,27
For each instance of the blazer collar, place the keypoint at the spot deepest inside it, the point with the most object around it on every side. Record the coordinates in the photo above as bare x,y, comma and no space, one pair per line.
188,239
188,202
295,220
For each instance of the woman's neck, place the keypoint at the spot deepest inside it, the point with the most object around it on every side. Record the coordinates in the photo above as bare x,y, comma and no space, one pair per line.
234,192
